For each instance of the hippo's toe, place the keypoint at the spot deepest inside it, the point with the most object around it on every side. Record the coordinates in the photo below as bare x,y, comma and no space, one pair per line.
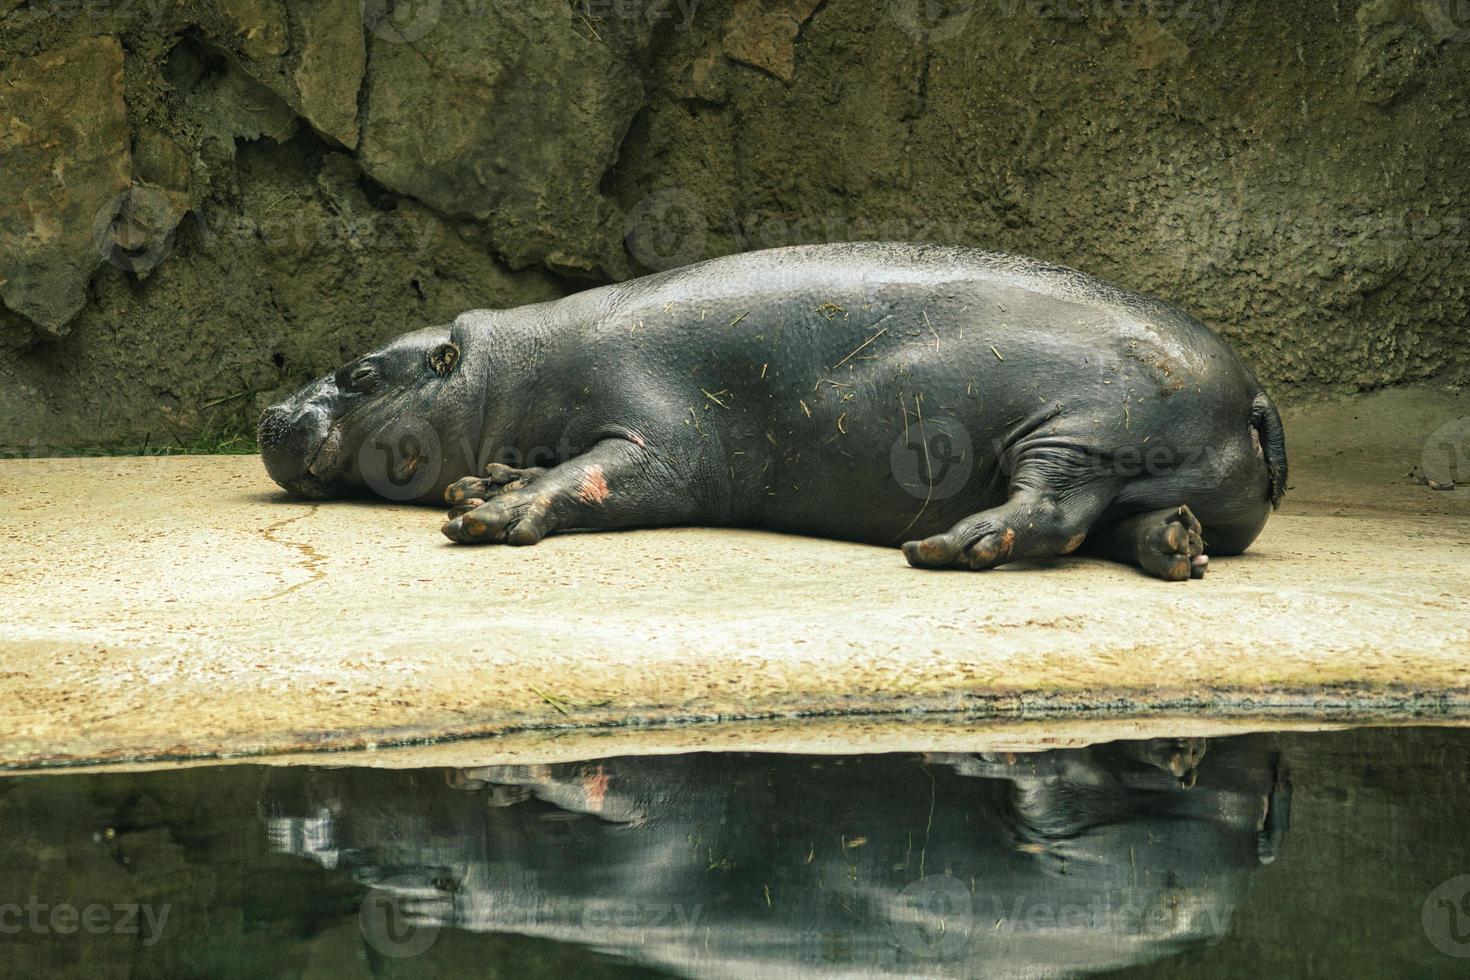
1173,548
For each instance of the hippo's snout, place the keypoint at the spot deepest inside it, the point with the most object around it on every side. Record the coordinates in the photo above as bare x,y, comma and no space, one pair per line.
300,449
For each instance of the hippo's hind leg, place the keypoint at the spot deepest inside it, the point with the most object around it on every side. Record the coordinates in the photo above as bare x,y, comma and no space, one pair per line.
614,484
1167,543
1055,497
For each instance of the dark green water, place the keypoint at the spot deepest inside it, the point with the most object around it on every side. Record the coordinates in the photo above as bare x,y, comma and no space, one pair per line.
1333,855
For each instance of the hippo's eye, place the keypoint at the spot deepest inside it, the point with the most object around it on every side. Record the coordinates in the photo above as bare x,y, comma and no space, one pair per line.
362,378
443,358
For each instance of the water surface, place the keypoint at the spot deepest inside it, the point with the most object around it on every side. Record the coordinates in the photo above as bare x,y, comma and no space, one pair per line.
1334,854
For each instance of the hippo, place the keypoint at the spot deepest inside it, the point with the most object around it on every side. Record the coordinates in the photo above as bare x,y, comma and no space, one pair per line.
972,407
1052,864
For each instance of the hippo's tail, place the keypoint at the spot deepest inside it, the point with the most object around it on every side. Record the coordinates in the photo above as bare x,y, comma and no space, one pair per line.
1267,423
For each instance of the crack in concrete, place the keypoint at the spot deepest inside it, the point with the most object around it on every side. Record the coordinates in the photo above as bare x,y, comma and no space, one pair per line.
310,559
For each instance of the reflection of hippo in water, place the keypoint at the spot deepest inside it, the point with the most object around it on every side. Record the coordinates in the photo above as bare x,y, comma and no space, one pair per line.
1053,864
975,408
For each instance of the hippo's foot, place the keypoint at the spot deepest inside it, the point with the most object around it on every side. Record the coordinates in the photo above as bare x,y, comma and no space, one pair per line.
1167,543
975,543
1179,757
614,484
498,478
1034,523
521,516
1170,546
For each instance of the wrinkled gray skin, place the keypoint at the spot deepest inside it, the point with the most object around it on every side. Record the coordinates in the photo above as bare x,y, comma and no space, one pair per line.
976,408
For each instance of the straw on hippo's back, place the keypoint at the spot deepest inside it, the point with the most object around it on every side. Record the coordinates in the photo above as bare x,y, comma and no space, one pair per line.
976,408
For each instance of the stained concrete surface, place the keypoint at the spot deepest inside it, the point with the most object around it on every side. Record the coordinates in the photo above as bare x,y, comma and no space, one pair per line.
180,608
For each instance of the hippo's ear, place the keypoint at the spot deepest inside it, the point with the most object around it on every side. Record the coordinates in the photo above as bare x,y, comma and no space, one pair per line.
443,358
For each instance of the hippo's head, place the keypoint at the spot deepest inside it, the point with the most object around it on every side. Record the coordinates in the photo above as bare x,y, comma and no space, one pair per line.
390,423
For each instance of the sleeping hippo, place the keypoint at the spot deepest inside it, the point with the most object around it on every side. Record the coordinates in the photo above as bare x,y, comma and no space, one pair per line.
973,407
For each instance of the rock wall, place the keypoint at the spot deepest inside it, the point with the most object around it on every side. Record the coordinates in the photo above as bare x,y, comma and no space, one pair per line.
204,204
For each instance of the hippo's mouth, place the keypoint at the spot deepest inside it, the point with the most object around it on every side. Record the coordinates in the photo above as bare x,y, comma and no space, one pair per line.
326,462
322,469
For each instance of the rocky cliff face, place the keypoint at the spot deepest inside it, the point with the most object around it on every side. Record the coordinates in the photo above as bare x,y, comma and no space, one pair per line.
203,204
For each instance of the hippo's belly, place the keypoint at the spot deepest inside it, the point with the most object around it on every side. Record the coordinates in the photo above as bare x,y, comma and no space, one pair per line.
870,412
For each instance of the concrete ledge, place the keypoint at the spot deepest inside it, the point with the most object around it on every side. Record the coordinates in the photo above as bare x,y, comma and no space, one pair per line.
179,609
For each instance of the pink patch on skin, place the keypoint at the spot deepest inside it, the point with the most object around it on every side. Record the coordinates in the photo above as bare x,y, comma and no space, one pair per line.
594,788
637,440
594,486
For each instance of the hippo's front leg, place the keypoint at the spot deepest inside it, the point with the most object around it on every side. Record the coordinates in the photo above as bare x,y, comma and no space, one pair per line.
614,484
